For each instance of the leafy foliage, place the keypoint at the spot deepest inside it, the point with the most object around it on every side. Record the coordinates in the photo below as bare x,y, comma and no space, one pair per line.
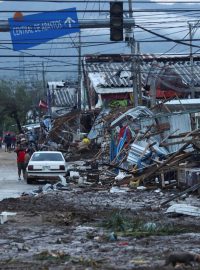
138,227
16,100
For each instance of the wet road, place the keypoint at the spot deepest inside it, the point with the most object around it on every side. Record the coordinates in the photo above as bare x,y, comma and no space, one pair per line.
10,187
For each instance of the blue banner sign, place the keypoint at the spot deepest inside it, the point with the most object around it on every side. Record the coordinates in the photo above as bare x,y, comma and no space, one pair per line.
32,30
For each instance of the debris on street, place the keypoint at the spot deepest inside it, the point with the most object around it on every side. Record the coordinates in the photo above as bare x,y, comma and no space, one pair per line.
132,183
4,216
184,209
133,147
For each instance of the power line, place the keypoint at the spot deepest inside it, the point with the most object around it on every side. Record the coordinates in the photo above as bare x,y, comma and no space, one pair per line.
186,10
167,38
92,44
104,1
84,44
108,43
167,76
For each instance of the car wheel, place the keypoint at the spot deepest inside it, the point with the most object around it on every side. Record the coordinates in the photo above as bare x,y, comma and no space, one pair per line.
30,180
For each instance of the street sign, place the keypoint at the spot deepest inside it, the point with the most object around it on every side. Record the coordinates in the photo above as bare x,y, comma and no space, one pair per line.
32,30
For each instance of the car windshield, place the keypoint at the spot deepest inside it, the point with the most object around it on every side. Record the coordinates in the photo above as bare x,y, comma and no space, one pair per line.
47,157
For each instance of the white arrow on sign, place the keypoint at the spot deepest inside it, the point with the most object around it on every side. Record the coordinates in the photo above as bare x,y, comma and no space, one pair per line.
69,21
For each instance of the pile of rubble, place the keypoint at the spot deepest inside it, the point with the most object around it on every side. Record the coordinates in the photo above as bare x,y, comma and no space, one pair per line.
132,147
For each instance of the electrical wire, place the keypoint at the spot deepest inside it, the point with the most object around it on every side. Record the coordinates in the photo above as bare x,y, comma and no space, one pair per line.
111,71
105,1
169,10
177,41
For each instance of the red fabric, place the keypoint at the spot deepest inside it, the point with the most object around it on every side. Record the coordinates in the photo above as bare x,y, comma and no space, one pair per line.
43,104
121,133
21,155
166,94
129,136
116,96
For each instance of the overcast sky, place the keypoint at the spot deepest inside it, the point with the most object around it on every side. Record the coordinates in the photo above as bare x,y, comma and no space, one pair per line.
165,19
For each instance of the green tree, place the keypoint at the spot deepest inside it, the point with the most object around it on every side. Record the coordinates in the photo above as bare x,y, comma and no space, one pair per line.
16,100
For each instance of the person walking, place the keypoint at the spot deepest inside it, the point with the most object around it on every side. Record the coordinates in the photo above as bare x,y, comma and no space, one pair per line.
8,141
26,160
21,152
1,140
13,142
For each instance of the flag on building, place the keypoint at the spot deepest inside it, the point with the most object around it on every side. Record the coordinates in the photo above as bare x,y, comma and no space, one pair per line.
43,105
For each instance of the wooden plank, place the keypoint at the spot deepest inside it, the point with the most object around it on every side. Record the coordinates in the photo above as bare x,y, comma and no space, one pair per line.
152,172
168,136
179,142
193,188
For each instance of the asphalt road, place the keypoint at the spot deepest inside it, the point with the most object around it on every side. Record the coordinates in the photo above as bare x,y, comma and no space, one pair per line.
10,187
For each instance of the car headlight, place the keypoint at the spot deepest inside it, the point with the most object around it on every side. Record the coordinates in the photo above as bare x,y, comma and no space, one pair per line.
30,167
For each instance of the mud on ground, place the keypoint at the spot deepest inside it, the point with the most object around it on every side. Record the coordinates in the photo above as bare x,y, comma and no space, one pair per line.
84,229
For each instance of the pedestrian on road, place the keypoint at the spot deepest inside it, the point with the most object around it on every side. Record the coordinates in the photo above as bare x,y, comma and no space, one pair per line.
13,142
21,152
1,140
27,157
8,141
26,160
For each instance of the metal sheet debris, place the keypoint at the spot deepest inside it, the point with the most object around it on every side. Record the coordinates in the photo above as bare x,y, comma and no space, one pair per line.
184,209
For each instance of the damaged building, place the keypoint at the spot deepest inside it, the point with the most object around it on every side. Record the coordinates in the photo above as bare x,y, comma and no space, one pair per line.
155,142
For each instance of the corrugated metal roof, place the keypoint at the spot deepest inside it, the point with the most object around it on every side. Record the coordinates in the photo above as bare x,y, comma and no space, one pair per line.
109,72
134,113
54,85
63,94
139,149
64,97
193,101
98,126
181,123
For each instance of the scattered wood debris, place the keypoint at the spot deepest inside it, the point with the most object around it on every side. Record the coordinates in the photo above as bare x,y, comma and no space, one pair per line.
151,147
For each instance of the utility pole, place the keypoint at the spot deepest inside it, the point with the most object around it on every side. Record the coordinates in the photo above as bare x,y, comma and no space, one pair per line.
139,74
155,74
133,54
153,87
43,80
79,86
79,72
191,63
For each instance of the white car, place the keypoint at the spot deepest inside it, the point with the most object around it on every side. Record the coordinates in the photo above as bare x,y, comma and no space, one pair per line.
45,165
